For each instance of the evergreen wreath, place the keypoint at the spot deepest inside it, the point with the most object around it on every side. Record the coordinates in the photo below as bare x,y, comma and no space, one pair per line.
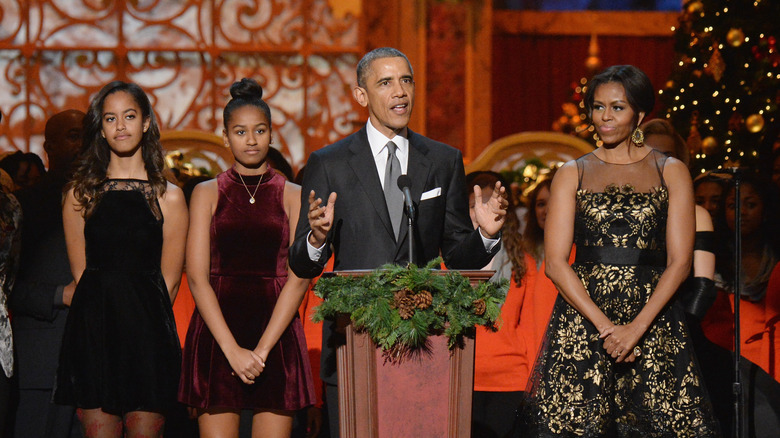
399,307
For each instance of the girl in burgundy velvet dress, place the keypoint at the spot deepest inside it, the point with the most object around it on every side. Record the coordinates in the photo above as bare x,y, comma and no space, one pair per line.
245,347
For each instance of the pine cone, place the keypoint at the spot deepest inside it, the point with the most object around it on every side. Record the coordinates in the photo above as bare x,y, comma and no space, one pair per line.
479,307
399,296
423,299
406,308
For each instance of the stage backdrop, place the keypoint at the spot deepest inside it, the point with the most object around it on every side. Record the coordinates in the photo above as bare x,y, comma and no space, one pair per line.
56,54
481,73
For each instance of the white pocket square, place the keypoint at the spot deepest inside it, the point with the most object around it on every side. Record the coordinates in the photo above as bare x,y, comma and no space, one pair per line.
431,194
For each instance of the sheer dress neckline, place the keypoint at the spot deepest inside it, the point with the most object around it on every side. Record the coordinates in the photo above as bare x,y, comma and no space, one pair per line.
134,185
622,164
639,177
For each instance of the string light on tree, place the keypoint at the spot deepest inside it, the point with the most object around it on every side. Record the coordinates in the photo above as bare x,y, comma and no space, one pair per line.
723,92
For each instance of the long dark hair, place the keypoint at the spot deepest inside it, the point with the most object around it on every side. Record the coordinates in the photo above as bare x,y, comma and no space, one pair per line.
92,165
533,236
770,236
510,236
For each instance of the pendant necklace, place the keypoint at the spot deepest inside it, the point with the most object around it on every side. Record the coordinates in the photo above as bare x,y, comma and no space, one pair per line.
251,195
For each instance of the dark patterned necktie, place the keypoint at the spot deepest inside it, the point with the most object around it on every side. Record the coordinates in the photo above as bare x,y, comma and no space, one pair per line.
393,196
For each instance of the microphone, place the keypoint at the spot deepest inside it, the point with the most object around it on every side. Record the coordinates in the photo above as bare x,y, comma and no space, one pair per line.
404,182
728,171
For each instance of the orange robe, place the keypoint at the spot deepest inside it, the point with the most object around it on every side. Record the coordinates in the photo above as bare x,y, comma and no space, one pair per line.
504,359
760,341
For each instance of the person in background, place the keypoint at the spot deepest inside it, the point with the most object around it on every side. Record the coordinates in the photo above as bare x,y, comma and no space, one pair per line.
539,289
125,231
245,346
280,164
26,168
44,288
760,294
708,191
10,237
501,365
616,356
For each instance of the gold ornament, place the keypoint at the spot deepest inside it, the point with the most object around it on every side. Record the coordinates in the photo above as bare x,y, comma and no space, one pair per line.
694,6
754,123
709,144
735,37
694,138
716,65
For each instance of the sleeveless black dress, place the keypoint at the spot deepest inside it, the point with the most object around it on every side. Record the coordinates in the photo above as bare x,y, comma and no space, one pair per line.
576,388
120,351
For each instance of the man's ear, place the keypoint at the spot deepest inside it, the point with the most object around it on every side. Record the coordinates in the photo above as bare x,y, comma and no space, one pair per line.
359,93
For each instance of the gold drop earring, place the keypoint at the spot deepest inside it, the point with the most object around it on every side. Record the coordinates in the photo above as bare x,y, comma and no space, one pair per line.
638,137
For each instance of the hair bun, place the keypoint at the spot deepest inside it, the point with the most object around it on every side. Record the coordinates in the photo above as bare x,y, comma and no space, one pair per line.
246,88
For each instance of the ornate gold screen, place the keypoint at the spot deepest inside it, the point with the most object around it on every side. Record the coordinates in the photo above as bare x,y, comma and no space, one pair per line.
185,53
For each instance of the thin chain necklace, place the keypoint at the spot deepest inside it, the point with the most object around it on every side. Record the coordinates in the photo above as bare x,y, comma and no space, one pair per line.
251,195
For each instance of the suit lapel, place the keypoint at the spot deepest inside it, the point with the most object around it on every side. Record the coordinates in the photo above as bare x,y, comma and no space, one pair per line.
362,163
418,167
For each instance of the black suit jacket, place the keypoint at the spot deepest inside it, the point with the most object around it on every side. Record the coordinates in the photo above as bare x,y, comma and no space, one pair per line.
36,300
362,236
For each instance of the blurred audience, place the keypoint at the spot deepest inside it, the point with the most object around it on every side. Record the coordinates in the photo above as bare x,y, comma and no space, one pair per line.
26,168
760,294
10,223
44,288
708,192
540,292
501,362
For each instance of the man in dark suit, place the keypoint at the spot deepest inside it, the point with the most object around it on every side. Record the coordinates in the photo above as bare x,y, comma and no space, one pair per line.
365,228
44,288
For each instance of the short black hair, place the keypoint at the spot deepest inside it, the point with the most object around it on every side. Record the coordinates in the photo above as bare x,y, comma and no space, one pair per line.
364,66
639,89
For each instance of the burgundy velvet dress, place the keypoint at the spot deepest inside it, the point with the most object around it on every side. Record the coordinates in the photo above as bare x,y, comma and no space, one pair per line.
249,244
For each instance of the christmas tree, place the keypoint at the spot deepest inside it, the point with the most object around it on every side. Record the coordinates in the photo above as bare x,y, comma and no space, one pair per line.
574,119
723,93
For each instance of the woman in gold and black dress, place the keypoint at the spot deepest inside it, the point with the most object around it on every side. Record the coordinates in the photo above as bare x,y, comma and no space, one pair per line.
616,359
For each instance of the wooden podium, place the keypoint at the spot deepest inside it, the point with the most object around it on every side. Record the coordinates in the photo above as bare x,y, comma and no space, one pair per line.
426,394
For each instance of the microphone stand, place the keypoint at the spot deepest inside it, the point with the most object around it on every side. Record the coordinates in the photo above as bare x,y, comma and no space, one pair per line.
404,183
737,386
736,175
411,239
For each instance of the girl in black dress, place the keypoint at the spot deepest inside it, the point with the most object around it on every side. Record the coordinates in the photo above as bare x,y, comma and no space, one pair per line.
125,229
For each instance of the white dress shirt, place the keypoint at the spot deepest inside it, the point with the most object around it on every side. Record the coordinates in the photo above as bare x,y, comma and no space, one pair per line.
378,143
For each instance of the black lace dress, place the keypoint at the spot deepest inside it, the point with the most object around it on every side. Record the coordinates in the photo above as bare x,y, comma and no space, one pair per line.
120,351
576,388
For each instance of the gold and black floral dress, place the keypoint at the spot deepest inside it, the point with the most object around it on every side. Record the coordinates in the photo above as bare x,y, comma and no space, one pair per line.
577,389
